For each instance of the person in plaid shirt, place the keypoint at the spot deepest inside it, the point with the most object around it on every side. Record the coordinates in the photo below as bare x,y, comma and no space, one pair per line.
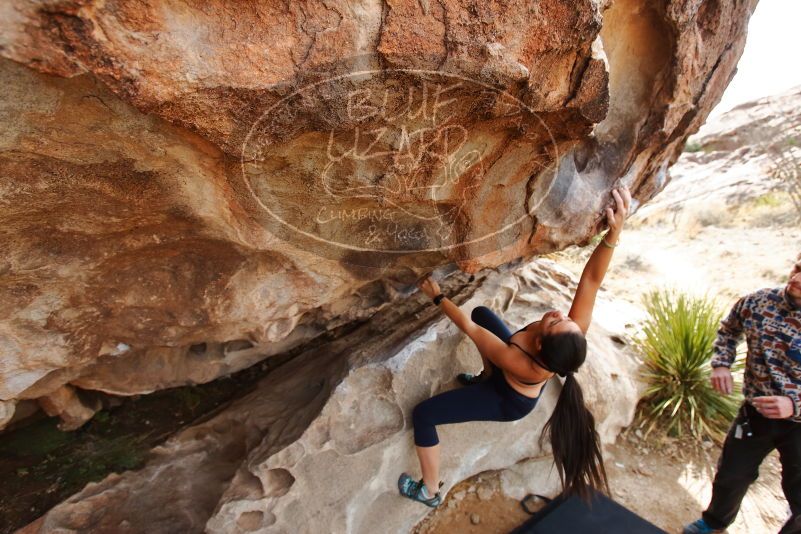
770,417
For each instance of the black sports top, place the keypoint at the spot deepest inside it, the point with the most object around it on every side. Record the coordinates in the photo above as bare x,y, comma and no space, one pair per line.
536,360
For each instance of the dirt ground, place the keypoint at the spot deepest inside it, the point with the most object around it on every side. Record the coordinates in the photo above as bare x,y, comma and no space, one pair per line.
672,484
720,263
668,484
475,506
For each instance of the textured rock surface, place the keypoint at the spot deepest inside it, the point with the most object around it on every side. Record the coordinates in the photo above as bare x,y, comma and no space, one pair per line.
65,403
7,410
321,451
146,166
732,158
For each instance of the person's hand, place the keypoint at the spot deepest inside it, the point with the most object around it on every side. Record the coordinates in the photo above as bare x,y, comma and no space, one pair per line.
722,380
617,216
774,407
429,286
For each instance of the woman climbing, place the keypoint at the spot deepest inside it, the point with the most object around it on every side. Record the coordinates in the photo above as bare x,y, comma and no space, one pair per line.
516,368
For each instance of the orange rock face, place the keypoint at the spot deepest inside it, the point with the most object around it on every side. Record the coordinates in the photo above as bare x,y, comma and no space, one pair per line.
191,187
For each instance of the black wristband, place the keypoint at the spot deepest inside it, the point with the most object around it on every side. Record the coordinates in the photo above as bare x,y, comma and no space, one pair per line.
438,299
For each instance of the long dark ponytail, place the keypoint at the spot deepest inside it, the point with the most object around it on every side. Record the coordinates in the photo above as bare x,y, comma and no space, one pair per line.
575,442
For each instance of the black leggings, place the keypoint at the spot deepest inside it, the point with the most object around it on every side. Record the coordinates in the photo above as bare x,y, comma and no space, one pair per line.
738,468
492,400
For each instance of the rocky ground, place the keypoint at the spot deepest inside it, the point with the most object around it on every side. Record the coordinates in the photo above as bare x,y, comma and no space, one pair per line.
475,506
667,483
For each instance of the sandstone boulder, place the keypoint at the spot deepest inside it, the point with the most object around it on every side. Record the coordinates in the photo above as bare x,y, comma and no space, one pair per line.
321,451
66,404
7,409
186,177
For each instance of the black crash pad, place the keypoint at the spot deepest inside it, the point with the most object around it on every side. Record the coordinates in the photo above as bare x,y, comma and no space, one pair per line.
574,516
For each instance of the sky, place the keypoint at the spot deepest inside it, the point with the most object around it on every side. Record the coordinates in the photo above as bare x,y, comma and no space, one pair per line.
771,61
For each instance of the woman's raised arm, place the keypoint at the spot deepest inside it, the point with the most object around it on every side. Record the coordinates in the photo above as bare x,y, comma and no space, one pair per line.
594,271
487,343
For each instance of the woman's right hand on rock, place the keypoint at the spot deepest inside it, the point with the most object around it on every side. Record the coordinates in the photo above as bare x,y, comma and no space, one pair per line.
429,286
617,216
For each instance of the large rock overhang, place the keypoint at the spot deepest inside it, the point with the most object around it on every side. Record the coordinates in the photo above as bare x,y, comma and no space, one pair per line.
180,175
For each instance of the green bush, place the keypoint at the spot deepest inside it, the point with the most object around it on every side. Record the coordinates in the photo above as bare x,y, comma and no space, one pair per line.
693,146
677,343
770,199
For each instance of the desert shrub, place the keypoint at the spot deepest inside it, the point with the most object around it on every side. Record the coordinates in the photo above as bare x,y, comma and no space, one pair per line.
771,199
693,146
713,217
773,208
635,262
785,157
677,345
778,139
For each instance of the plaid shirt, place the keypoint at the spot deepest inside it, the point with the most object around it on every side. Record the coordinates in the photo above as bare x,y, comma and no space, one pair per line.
772,327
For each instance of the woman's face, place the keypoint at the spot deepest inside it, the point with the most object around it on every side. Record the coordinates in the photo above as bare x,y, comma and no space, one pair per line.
555,322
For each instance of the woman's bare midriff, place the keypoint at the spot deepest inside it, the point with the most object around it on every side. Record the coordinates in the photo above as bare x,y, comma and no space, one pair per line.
529,391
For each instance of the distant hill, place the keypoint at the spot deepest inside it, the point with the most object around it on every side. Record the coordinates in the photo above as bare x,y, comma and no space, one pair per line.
730,160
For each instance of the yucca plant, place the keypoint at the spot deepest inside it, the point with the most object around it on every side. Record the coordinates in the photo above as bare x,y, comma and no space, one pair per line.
677,344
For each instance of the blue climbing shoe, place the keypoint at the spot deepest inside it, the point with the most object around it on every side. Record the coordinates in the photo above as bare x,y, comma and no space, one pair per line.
413,490
699,527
